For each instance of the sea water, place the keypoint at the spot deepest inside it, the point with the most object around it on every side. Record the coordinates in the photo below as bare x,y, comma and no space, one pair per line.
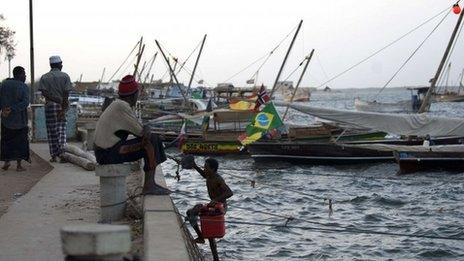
369,197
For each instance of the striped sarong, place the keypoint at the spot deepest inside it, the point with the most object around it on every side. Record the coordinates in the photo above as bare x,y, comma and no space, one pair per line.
56,129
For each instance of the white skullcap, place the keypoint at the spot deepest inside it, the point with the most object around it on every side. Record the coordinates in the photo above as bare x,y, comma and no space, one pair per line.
55,59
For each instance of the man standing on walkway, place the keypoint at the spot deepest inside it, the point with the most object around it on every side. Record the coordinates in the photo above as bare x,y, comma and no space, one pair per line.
55,87
14,100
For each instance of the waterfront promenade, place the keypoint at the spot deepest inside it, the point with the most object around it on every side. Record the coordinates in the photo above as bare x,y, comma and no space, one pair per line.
69,195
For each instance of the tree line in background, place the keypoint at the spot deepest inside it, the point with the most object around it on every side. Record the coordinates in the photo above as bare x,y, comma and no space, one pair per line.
7,43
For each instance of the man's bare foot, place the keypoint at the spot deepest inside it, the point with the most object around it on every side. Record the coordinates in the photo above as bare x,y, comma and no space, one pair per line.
20,169
53,159
6,166
199,240
156,190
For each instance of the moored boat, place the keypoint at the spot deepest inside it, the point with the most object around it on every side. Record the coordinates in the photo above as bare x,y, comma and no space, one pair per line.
405,106
353,149
436,158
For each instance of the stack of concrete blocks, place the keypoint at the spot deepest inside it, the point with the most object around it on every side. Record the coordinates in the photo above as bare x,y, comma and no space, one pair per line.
113,190
95,242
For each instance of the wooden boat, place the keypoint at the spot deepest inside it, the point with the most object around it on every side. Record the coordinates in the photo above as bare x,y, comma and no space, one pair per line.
406,106
218,141
451,159
354,150
449,97
317,153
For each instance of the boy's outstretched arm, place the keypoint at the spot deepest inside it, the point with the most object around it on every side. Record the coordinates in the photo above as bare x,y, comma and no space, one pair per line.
199,170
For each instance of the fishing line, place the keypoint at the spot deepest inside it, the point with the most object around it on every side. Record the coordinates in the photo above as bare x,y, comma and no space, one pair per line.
338,229
399,178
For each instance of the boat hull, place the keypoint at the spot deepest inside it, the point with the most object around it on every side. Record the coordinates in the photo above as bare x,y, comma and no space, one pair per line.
212,148
411,162
316,153
449,98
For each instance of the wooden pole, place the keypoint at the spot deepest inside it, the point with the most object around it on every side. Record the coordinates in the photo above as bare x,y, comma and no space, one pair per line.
427,99
285,59
172,72
31,37
196,63
139,56
150,68
80,78
142,70
461,83
308,59
101,78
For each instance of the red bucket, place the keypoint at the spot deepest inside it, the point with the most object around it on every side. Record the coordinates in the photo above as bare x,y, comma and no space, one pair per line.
212,221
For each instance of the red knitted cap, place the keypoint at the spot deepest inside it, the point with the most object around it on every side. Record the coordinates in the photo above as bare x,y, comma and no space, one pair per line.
128,86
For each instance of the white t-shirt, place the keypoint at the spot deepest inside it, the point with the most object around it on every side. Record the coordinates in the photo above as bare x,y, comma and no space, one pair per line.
118,116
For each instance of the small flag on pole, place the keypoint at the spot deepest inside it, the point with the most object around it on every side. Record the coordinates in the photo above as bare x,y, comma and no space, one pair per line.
263,97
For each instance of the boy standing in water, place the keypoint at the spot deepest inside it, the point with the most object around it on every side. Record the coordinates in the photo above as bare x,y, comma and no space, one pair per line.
218,191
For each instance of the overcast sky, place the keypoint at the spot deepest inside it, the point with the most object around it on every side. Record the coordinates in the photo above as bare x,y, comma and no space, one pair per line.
92,35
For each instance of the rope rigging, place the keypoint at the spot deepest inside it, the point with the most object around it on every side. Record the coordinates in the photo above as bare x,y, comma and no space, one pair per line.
125,60
441,78
385,47
266,57
183,67
412,55
188,57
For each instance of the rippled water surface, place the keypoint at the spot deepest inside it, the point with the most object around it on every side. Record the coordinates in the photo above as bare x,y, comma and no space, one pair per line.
369,197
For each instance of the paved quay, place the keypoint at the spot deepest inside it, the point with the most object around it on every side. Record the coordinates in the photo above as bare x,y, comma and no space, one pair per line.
30,230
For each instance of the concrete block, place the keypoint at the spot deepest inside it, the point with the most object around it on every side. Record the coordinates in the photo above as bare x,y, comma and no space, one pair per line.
163,238
90,139
112,198
112,190
95,240
113,170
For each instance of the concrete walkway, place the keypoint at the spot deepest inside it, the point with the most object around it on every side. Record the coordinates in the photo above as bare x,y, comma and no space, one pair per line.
30,228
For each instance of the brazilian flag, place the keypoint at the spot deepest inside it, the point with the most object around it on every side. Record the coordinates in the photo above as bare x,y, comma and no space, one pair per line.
267,119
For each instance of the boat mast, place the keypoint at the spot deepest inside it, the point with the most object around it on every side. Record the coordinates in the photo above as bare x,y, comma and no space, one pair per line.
150,68
447,77
461,84
196,63
285,59
172,73
308,59
139,56
427,99
101,78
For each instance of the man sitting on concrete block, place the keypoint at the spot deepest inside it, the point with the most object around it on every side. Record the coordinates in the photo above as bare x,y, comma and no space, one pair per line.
112,145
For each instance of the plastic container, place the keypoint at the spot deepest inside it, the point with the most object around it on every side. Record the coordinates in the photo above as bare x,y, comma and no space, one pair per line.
212,221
